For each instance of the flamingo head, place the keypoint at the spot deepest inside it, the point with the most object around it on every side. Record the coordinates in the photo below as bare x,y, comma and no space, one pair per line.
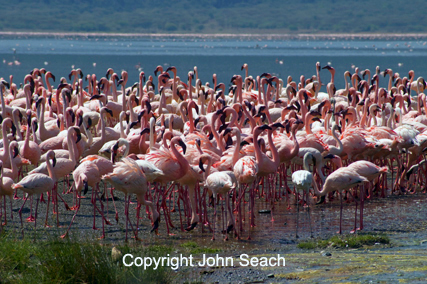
109,111
146,130
183,146
78,134
201,165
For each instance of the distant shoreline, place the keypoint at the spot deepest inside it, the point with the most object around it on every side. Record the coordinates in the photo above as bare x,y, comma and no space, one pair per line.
300,36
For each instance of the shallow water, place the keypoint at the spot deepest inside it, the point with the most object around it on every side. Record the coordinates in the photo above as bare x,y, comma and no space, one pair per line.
223,57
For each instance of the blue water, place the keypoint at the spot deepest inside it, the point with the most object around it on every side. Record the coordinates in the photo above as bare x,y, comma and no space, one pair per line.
223,57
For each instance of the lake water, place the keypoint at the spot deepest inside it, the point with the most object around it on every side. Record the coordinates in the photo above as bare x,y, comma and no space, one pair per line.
221,56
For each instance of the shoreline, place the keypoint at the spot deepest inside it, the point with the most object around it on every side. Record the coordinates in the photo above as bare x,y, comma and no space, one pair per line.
278,36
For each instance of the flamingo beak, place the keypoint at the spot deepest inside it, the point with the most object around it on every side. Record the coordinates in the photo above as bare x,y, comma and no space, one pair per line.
86,187
201,165
182,144
13,129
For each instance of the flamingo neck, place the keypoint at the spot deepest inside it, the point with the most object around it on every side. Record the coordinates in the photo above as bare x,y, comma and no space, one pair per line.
236,148
295,149
215,133
50,169
13,165
181,160
71,145
273,149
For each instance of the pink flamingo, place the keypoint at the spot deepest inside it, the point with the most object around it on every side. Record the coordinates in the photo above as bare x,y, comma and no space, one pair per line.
370,171
38,183
30,150
5,190
86,174
340,180
13,172
220,183
128,178
4,155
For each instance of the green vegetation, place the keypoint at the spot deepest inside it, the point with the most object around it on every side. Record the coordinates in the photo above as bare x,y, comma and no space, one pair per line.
346,241
61,261
217,16
194,248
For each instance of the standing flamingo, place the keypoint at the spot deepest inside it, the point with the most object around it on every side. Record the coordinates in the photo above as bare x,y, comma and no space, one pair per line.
128,178
370,171
340,180
5,190
303,180
38,183
86,174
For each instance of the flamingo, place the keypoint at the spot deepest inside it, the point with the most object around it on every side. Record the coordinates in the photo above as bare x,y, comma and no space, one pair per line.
303,180
220,183
38,184
342,179
370,171
5,190
86,174
128,178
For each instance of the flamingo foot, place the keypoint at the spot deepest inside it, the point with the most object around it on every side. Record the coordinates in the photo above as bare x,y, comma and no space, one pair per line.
107,222
155,225
46,225
322,200
64,236
353,231
102,237
191,227
30,219
95,228
4,224
73,208
229,229
16,197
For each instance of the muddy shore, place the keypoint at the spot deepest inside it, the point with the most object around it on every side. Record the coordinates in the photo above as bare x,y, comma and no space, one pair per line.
401,218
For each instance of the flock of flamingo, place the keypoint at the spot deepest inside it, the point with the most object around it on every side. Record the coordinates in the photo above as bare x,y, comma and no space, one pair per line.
182,148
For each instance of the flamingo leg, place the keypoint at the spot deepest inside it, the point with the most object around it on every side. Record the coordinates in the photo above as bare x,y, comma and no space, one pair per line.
362,201
341,206
47,209
296,222
20,213
72,220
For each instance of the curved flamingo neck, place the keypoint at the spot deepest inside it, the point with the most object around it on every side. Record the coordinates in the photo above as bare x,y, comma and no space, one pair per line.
190,107
307,121
257,149
295,149
273,149
180,158
252,121
237,147
215,133
13,165
71,145
103,132
50,168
